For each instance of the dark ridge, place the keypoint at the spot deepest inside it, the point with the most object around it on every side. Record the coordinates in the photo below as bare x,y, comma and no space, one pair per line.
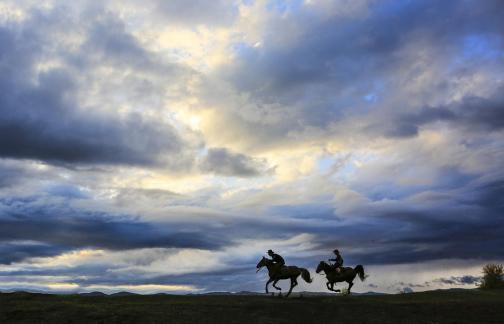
123,293
93,294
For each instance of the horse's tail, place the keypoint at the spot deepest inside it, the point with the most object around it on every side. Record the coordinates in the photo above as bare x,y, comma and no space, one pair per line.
360,271
306,275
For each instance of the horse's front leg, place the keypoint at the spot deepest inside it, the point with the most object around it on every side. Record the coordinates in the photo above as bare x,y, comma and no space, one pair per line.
332,288
274,284
267,283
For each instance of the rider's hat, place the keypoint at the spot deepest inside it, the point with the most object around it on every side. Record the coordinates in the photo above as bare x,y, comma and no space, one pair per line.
336,251
270,251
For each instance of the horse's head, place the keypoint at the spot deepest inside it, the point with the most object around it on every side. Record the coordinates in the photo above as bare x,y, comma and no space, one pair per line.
321,266
261,263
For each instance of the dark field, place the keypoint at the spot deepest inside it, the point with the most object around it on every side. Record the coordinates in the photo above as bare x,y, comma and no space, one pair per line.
472,306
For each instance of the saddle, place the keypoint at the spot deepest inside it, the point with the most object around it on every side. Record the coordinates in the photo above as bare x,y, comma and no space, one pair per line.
279,268
342,269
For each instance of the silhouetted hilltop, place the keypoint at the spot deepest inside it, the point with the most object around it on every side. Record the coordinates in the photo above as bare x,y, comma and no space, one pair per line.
248,293
296,294
229,293
123,293
93,294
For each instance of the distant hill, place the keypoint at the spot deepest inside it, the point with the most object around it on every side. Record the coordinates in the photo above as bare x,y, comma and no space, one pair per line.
371,293
99,293
248,293
212,293
123,293
229,293
93,294
294,293
215,293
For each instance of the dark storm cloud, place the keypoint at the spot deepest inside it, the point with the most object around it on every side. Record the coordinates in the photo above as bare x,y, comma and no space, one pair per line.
325,72
489,195
341,51
471,114
222,161
58,228
40,116
18,251
381,235
467,226
19,173
408,125
462,280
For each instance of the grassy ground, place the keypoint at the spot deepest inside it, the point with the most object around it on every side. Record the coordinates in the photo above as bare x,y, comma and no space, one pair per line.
472,306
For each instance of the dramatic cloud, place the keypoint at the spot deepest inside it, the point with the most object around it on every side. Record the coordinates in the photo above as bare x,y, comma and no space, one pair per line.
41,115
464,280
471,114
311,77
221,161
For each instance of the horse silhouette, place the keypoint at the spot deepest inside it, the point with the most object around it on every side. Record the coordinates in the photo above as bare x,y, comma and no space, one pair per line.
285,272
347,274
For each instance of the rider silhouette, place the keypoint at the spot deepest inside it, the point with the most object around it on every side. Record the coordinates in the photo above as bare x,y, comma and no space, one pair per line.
277,259
338,261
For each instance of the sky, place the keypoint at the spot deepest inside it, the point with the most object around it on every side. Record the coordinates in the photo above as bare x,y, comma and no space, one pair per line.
165,146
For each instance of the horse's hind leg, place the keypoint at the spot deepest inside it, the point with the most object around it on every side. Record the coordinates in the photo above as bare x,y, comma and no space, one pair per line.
350,284
293,283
